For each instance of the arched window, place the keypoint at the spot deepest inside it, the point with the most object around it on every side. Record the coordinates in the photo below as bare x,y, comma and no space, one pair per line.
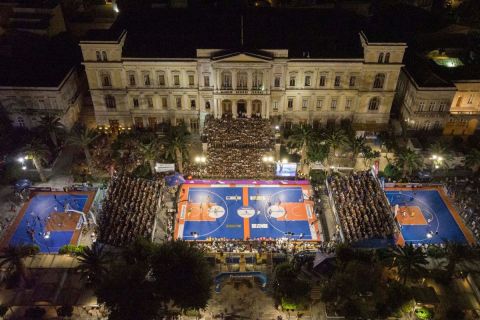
20,122
380,57
104,56
207,105
387,57
379,81
374,104
106,82
110,102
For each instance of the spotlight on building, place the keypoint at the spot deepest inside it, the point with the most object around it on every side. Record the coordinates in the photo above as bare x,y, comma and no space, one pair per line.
24,167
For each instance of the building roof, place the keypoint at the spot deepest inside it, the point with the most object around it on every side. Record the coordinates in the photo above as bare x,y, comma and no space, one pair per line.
177,33
29,60
422,72
427,73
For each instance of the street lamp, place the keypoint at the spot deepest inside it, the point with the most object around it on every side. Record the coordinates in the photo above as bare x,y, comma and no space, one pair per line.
267,159
200,161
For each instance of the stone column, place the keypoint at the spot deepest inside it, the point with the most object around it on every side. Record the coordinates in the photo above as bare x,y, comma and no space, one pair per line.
220,109
249,108
218,85
234,109
249,79
234,79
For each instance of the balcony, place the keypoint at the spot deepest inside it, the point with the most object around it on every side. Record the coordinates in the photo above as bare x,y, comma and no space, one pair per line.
226,89
465,113
241,90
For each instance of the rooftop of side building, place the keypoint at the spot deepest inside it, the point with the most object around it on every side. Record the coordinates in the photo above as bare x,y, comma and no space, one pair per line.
29,60
439,60
177,33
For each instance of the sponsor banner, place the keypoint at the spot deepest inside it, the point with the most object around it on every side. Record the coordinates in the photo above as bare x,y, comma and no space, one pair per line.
164,167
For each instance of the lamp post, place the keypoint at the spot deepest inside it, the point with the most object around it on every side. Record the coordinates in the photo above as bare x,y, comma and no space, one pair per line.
437,161
268,160
200,161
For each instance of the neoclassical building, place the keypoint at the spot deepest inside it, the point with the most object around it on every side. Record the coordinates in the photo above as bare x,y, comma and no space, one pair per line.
139,74
439,88
39,77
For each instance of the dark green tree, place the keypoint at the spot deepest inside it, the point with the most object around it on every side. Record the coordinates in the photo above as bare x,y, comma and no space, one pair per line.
12,257
128,292
408,260
177,142
409,161
93,263
182,275
301,138
83,138
288,285
51,126
39,153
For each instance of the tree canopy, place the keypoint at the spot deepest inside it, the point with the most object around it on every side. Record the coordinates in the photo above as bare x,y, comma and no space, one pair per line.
148,279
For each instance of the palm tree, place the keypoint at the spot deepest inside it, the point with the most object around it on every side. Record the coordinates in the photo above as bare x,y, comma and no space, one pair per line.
356,145
177,139
317,153
441,150
52,126
409,161
408,260
335,139
93,263
302,138
83,138
388,141
473,159
150,153
38,152
368,155
13,258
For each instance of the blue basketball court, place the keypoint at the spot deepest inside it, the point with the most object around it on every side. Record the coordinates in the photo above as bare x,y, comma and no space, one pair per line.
425,215
50,220
245,211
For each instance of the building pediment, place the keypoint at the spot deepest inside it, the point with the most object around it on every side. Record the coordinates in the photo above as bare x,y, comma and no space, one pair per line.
238,56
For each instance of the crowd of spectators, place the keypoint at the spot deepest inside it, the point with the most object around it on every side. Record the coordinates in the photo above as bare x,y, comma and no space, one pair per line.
361,206
280,245
465,193
236,147
129,210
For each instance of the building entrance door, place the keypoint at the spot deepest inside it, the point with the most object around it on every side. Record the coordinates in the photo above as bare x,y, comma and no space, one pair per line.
227,108
241,109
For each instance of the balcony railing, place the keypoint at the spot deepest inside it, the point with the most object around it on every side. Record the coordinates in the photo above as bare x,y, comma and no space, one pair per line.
466,113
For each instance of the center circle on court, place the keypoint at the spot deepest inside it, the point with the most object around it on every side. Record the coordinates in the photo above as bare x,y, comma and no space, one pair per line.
276,211
246,212
216,212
